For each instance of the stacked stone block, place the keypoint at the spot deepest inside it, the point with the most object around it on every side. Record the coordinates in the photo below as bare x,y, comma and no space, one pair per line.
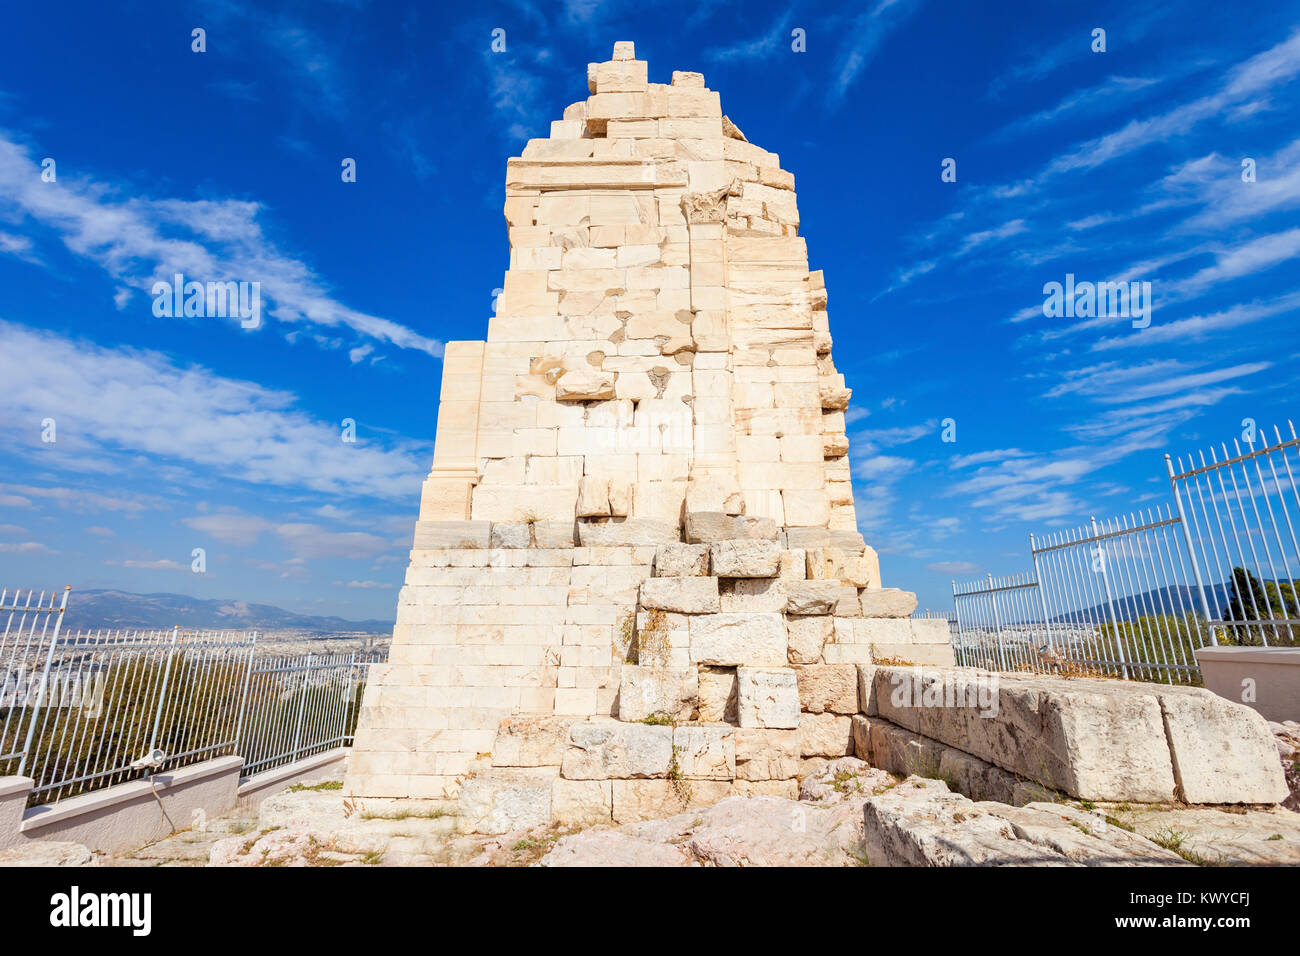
640,506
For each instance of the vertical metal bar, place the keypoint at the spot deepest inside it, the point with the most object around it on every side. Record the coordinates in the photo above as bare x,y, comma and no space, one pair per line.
162,691
45,676
1191,552
302,703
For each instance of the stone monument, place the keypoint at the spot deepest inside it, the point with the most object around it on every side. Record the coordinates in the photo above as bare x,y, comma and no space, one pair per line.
636,581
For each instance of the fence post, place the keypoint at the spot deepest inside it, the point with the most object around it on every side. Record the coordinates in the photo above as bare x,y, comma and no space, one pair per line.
997,624
1110,601
302,703
1042,598
162,691
956,611
347,699
243,696
45,676
1191,553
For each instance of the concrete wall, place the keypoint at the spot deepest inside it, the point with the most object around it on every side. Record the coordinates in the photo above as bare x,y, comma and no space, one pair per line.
130,815
1266,679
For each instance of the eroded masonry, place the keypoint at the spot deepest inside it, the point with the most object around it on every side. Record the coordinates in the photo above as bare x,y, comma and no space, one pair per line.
636,576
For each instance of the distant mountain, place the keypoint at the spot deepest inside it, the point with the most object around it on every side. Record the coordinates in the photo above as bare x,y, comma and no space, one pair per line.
1175,600
93,609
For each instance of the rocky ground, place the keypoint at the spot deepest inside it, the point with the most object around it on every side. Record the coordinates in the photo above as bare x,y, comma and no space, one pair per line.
1288,746
847,814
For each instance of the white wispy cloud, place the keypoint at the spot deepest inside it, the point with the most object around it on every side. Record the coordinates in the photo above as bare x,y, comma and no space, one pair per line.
137,242
862,38
123,401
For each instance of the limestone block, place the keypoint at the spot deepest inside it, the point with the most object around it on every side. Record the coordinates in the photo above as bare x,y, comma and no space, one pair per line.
453,534
667,691
624,50
584,385
793,565
867,689
825,735
705,752
527,741
888,602
715,493
811,597
1093,739
717,694
766,753
861,730
608,749
552,534
735,639
807,636
744,558
872,561
593,497
445,499
824,563
498,801
510,534
684,595
856,569
932,630
620,498
681,560
627,532
621,76
710,526
767,697
636,800
828,688
582,802
686,79
752,594
1223,752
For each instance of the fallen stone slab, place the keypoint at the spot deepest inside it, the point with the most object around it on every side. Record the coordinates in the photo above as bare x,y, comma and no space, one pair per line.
922,823
1101,740
738,831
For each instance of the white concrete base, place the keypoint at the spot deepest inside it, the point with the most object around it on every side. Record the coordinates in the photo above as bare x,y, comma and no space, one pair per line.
130,815
1264,678
13,801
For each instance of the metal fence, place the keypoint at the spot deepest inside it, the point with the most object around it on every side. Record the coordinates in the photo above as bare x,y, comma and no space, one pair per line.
31,629
284,692
1136,595
83,711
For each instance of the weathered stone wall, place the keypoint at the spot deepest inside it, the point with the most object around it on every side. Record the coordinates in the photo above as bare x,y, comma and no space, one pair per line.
640,481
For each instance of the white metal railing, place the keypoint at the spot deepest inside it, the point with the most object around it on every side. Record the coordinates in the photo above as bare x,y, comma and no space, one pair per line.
1135,596
299,706
87,710
31,630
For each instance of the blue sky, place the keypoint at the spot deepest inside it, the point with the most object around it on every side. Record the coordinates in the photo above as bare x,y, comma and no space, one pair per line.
182,433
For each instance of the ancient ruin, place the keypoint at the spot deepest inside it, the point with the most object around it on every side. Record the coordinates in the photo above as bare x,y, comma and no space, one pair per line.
640,507
637,584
